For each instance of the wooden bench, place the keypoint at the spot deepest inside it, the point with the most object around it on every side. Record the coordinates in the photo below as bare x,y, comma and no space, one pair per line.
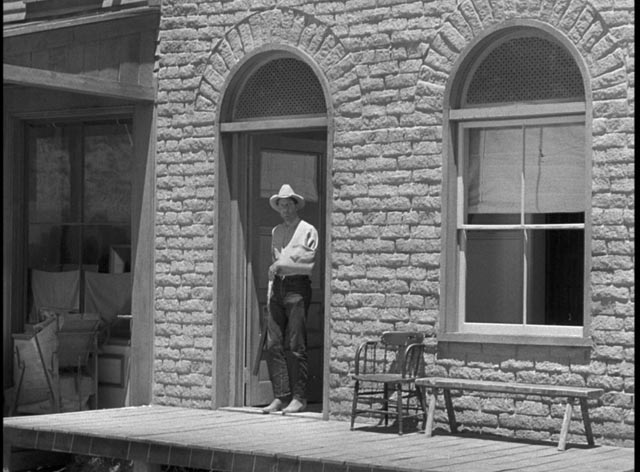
570,393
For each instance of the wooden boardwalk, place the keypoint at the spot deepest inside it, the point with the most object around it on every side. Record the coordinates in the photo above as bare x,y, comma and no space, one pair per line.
242,442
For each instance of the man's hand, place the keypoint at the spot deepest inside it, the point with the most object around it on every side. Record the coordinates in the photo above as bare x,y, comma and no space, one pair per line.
273,270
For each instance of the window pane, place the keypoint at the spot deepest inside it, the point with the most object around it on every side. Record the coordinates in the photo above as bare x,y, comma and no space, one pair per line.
49,174
107,173
555,277
555,169
494,277
493,183
554,218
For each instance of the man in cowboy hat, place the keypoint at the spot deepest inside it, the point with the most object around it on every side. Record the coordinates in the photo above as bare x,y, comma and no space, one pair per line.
294,243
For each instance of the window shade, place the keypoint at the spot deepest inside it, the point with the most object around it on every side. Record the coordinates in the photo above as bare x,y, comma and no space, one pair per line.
547,160
554,169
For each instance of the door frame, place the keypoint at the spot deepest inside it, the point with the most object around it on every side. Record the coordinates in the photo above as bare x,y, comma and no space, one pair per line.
232,258
228,380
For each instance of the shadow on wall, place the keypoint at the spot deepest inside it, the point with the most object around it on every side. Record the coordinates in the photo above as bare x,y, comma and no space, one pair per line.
511,362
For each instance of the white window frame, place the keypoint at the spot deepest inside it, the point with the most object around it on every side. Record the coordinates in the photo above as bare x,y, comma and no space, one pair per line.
455,327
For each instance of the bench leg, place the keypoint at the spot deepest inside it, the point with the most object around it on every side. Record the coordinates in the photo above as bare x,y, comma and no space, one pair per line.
584,407
428,430
423,405
562,443
450,413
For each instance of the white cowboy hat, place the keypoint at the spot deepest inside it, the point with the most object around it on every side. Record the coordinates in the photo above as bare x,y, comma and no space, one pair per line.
286,192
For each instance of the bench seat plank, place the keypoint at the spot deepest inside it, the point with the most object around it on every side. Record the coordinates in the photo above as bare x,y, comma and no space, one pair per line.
447,384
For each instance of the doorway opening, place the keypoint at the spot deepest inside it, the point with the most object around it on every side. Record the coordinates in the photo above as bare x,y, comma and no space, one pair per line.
275,133
74,210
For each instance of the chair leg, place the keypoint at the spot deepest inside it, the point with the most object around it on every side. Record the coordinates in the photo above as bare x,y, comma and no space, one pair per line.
354,406
78,390
385,404
399,404
14,400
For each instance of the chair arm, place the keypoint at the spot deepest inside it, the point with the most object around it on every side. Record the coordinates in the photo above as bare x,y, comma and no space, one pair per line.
22,336
410,355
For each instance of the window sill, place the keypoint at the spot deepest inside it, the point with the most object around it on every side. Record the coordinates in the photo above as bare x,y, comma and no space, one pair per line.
538,340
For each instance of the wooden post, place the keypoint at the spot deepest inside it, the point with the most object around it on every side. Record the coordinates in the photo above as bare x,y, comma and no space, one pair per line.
562,443
140,387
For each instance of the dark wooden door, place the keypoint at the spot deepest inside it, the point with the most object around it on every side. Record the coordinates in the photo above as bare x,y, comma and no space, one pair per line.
276,159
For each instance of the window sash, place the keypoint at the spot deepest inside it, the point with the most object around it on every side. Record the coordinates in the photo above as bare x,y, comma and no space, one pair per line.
78,191
462,164
518,258
523,171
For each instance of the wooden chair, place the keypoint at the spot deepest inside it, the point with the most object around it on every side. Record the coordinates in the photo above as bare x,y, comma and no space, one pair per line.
56,365
78,360
385,374
35,369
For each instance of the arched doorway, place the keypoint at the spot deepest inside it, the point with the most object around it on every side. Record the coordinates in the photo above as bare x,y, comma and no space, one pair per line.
273,131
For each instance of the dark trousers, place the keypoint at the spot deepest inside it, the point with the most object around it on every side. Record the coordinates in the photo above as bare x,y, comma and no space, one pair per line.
287,330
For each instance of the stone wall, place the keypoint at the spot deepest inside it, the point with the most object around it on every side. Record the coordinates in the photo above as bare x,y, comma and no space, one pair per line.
386,64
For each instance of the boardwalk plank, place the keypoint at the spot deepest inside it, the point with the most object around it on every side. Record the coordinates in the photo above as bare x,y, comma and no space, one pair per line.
462,454
234,441
601,460
519,460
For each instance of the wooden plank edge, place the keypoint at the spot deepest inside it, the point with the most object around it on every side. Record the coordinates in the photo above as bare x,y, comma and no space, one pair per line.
30,77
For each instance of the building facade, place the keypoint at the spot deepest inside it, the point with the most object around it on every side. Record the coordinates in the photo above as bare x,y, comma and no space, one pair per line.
469,166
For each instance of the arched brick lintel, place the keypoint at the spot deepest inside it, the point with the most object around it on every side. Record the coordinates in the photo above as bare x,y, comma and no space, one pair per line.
278,29
600,56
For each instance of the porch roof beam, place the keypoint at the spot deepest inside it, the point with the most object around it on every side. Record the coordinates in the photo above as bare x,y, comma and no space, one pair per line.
50,24
76,83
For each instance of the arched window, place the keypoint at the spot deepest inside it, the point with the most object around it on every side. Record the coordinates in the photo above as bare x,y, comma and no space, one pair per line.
275,90
281,87
516,233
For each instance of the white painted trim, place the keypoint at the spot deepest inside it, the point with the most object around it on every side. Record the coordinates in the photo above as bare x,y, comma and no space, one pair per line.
518,110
